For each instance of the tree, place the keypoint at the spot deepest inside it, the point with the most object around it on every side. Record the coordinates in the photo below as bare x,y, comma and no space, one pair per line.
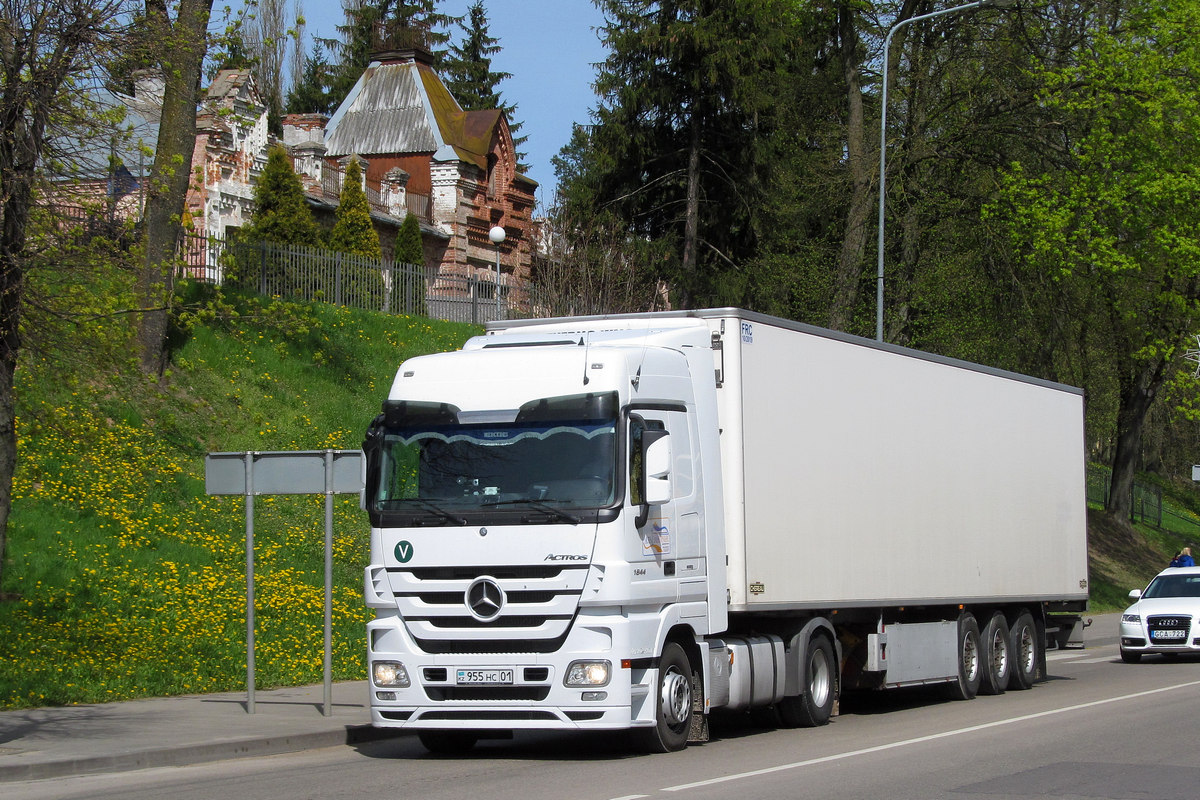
281,214
181,45
267,40
281,217
310,94
353,233
686,102
408,285
48,53
1116,223
373,25
470,78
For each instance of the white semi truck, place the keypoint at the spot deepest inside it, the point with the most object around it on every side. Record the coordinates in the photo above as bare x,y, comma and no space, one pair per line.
626,522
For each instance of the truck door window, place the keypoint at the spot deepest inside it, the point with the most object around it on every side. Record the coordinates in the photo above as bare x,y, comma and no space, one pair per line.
637,472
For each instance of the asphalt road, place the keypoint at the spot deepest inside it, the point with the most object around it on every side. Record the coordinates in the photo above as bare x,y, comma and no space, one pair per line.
1097,728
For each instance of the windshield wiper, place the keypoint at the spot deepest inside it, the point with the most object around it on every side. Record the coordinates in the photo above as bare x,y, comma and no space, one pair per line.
555,513
441,512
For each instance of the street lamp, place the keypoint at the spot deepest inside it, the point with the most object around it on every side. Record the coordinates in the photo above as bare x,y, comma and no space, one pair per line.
887,46
496,234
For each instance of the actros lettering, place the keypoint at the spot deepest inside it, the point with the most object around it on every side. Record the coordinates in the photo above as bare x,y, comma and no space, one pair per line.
564,557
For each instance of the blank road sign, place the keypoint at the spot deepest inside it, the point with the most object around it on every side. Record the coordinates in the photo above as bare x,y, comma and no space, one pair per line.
284,472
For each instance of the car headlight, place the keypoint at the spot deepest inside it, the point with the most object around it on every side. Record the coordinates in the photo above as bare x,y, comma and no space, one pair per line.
390,673
587,673
1131,618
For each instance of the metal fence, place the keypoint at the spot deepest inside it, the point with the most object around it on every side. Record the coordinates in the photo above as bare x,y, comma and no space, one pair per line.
315,274
1147,503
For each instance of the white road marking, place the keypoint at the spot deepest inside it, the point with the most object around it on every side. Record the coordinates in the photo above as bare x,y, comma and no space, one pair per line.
921,739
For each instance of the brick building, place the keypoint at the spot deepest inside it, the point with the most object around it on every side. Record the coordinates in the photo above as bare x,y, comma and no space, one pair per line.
456,170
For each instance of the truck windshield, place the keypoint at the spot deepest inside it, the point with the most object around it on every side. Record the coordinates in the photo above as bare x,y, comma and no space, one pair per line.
547,457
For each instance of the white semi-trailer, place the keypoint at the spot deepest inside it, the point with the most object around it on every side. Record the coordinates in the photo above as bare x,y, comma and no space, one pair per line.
626,522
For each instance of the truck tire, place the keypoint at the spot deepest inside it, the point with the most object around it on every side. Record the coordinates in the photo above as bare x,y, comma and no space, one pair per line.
1027,652
970,661
448,743
997,655
673,706
813,706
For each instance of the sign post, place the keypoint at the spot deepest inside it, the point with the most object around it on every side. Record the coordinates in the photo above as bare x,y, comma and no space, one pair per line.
252,473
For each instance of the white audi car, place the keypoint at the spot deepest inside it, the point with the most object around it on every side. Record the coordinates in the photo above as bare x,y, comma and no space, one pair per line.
1165,617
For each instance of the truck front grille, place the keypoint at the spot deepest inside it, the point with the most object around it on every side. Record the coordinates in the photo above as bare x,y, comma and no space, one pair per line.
526,609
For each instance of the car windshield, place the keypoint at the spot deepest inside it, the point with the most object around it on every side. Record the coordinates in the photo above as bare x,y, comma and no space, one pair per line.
1173,586
558,453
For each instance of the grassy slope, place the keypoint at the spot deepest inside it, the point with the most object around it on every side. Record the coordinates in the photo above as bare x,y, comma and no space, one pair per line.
127,580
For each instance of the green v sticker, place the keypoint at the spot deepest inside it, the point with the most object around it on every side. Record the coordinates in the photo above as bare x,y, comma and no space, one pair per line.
404,551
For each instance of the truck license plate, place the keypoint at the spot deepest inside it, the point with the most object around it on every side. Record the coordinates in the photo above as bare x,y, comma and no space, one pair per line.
485,677
1170,634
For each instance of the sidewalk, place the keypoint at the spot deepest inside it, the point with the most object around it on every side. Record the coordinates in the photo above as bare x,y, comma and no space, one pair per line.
171,731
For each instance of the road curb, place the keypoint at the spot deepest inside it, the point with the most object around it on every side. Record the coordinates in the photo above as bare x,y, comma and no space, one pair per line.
186,755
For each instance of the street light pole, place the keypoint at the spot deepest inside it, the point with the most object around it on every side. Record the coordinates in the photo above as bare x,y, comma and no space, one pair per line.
887,47
496,234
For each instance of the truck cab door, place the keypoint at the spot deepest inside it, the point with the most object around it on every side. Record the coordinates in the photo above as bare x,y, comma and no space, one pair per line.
661,493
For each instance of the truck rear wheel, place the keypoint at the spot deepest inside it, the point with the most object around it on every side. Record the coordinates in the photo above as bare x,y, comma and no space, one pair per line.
997,655
970,664
1027,651
673,706
814,706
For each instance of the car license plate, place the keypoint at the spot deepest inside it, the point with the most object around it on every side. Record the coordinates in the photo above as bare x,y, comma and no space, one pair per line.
1170,634
485,677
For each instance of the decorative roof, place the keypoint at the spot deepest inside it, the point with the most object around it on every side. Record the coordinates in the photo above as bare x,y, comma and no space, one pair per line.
403,107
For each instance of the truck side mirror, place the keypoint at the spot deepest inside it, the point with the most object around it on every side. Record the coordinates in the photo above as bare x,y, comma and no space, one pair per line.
657,461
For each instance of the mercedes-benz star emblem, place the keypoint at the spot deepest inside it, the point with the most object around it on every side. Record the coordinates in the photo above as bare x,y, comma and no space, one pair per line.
484,599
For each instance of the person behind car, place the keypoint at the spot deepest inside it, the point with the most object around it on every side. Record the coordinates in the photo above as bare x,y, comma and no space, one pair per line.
1183,558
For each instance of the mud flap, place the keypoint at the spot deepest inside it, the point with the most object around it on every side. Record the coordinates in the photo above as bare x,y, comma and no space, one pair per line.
698,731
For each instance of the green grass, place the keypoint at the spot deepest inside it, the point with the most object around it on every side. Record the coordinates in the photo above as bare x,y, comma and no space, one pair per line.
123,578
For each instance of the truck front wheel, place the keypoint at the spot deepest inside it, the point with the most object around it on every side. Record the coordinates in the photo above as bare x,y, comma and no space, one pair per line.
814,706
673,706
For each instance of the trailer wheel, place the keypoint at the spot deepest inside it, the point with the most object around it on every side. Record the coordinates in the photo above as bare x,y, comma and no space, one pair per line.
448,743
1027,652
970,662
814,706
673,709
997,655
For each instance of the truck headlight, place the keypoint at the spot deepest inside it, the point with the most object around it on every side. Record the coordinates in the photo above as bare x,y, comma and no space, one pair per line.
587,673
1136,618
390,673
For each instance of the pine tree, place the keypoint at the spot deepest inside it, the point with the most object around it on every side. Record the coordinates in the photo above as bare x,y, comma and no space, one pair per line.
281,217
408,286
687,100
374,24
310,95
281,214
354,234
470,78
